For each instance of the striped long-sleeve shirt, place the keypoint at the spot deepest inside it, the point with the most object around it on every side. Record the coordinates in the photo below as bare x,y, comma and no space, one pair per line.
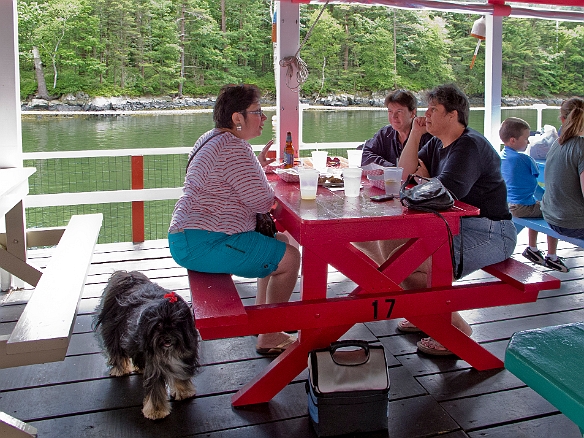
224,187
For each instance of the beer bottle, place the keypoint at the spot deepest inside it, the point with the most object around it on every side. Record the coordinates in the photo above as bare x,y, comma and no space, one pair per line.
288,152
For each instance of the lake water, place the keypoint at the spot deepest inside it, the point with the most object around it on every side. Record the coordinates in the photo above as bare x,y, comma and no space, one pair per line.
147,130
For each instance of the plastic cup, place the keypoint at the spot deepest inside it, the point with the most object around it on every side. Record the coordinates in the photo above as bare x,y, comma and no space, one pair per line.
308,183
354,157
392,178
319,160
352,181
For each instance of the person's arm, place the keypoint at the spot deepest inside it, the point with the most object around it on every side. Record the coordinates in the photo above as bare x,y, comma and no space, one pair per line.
409,156
582,183
375,149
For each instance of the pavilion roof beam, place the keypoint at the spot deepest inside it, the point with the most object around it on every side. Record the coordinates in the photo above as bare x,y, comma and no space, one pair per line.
470,8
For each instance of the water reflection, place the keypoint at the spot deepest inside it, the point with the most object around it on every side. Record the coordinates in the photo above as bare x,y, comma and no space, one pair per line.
147,130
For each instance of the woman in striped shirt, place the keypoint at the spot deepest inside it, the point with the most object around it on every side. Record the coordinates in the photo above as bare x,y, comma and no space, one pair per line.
213,224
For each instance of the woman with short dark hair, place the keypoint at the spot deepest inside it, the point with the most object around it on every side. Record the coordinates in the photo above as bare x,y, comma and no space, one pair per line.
387,144
213,224
470,168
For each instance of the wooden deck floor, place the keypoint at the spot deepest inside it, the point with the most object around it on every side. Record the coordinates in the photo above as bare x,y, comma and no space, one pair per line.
429,396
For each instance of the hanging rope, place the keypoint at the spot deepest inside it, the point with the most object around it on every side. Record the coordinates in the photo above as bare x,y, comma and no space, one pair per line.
295,62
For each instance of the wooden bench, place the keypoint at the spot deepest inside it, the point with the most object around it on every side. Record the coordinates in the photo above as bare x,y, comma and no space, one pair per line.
215,301
541,226
550,361
43,331
220,313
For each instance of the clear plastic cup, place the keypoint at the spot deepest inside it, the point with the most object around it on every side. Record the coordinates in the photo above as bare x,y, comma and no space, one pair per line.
308,182
319,160
355,156
352,181
392,178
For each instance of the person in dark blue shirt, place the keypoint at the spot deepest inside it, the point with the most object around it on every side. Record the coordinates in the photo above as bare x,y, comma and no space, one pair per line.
387,144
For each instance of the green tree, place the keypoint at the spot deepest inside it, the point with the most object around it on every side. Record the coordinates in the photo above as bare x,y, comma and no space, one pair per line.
322,53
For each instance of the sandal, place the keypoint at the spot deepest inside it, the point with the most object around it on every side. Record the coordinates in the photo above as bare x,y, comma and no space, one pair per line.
407,327
433,347
278,349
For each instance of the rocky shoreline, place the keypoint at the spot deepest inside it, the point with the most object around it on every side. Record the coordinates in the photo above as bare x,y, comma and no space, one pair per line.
81,102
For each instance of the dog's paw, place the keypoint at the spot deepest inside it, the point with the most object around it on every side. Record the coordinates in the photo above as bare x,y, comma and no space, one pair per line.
121,368
155,412
118,372
182,390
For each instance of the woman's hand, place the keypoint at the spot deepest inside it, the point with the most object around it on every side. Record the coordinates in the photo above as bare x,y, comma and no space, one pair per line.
419,126
264,161
422,170
409,156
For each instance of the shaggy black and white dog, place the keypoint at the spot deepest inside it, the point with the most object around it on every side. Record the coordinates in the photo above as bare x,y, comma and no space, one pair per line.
146,328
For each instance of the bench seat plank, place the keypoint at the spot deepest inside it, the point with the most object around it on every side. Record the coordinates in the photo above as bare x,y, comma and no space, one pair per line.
522,276
541,226
215,300
549,361
44,329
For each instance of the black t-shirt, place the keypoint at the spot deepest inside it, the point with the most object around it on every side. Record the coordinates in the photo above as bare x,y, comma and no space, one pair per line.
471,169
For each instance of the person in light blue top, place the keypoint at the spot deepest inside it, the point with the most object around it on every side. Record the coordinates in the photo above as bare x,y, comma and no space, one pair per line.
520,173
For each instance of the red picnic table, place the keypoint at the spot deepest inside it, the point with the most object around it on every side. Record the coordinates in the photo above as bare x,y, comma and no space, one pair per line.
326,228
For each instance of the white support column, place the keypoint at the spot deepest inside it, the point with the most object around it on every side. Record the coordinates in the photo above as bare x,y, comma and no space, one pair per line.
287,97
11,138
493,78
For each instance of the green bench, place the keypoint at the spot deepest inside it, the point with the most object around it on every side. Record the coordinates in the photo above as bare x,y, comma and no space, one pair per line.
549,360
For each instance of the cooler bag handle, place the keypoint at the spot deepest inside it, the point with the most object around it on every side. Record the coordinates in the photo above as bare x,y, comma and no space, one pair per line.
349,343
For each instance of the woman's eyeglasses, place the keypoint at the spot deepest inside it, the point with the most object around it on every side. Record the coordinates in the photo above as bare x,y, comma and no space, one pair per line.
258,112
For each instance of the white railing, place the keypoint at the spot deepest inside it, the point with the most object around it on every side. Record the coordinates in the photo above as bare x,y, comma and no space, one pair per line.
169,193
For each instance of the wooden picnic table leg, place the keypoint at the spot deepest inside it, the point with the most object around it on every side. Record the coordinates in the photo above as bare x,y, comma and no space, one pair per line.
286,366
441,267
441,329
313,277
13,259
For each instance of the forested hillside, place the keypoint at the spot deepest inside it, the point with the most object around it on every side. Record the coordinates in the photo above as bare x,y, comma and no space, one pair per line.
192,47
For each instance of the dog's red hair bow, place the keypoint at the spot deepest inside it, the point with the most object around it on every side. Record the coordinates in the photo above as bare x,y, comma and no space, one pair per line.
171,297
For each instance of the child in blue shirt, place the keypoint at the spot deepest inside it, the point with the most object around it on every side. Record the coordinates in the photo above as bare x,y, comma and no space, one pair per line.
520,172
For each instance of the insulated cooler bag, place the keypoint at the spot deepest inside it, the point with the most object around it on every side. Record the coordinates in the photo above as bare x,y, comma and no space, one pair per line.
348,386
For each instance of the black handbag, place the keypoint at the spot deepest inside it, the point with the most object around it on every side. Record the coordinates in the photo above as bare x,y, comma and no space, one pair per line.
431,196
264,222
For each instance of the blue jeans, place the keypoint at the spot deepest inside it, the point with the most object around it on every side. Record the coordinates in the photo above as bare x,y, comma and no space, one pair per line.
484,242
577,233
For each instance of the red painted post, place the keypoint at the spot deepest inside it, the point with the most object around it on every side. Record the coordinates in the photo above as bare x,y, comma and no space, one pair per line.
137,206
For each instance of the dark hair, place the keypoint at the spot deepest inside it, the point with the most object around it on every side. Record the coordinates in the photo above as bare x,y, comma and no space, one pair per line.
572,110
403,98
233,99
512,127
452,98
